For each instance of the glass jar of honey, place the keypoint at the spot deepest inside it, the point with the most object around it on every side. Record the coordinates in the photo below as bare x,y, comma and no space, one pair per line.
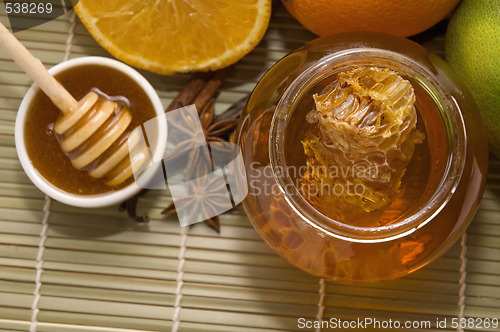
365,157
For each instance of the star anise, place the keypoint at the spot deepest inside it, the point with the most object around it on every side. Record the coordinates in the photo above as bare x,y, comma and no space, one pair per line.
215,129
201,91
206,196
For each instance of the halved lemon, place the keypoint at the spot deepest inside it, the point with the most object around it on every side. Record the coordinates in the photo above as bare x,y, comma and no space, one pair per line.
169,36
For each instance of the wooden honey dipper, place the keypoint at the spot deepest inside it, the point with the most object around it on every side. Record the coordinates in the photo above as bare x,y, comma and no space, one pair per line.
92,131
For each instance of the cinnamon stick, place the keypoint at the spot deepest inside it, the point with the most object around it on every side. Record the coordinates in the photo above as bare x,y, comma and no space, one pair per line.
190,91
210,89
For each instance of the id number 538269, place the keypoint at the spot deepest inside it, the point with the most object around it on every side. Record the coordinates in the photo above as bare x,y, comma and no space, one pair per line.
474,323
28,8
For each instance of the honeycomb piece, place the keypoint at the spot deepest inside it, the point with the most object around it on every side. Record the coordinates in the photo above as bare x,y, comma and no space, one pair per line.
366,137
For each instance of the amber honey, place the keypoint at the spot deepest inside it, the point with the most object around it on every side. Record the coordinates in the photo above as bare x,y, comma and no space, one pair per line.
421,176
42,146
436,197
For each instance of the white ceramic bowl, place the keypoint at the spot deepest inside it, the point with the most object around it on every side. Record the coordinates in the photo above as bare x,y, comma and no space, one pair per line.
98,200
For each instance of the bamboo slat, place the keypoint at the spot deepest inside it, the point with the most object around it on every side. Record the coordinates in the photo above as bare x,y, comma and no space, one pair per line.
95,270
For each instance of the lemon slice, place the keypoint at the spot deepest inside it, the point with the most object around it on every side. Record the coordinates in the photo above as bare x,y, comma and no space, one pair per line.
169,36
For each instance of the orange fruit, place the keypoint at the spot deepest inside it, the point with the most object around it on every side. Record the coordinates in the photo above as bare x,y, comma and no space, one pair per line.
176,35
402,18
473,50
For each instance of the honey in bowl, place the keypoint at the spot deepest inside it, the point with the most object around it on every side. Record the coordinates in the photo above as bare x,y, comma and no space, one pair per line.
41,142
353,178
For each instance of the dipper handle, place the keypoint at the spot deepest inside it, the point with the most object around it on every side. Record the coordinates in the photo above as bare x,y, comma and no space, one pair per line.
36,70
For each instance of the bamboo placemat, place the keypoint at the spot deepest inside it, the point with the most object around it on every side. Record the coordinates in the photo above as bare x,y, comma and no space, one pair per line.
70,269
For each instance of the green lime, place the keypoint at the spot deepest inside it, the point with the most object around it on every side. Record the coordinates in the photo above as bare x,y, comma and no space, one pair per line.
473,50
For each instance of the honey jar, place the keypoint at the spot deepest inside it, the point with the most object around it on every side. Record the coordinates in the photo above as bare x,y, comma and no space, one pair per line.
365,157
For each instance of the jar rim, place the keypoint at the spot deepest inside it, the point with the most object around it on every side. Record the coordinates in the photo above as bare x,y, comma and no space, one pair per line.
452,120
